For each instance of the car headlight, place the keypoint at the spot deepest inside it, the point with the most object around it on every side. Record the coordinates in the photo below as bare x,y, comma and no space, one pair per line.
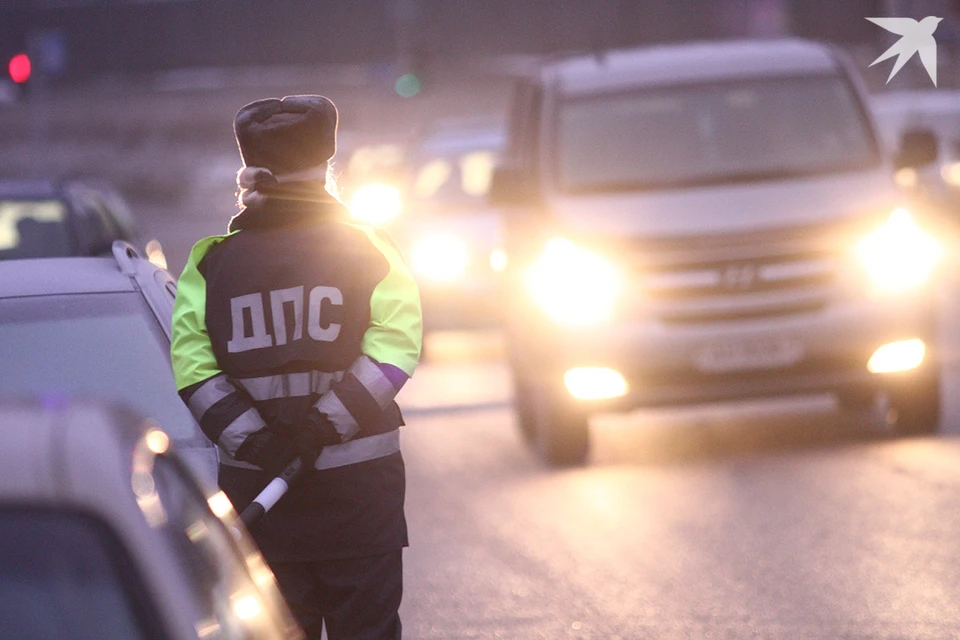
899,255
440,256
376,203
573,285
951,174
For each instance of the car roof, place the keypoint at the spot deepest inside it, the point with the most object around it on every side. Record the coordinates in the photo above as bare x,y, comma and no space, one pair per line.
30,189
689,63
55,276
52,187
114,273
74,453
451,143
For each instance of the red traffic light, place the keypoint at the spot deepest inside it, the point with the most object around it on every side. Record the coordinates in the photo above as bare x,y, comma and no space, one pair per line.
19,68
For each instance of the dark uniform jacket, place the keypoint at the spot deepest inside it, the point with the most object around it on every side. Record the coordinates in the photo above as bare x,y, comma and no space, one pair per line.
300,307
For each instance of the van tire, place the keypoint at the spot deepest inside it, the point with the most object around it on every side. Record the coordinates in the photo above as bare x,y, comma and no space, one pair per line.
555,430
913,407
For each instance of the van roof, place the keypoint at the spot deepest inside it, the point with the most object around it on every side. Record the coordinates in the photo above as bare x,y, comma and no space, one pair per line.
689,63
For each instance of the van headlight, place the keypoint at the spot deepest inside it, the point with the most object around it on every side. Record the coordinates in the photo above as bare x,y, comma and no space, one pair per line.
899,255
573,285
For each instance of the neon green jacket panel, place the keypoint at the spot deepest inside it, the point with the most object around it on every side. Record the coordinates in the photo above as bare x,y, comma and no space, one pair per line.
191,352
395,335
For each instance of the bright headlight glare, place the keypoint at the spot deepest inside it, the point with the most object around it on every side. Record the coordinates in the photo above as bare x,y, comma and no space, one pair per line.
899,256
376,203
573,285
246,606
442,257
902,355
951,173
594,383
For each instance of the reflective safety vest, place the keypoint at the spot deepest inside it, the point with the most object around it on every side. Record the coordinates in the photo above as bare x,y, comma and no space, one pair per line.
296,307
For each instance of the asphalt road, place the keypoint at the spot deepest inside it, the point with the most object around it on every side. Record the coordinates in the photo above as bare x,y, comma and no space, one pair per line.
778,519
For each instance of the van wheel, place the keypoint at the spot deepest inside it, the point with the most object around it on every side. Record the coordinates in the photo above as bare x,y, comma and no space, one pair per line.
554,429
913,407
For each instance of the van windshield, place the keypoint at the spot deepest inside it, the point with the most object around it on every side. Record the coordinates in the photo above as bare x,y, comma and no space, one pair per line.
702,134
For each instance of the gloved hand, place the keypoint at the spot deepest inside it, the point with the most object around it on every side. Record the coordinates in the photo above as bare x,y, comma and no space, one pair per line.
316,433
269,450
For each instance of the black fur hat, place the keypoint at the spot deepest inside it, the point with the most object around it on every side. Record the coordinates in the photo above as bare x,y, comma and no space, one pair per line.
287,135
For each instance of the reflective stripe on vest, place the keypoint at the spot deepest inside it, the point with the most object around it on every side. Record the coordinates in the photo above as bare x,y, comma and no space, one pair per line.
289,385
341,455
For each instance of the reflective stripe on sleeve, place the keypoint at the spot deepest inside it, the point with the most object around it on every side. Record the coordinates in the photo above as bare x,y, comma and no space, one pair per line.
374,380
359,450
341,455
237,431
344,422
210,393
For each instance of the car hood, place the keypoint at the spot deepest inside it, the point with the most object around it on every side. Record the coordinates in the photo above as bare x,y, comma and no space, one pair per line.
726,208
479,228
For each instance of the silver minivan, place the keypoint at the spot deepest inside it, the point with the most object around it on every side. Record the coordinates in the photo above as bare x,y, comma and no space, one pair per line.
706,222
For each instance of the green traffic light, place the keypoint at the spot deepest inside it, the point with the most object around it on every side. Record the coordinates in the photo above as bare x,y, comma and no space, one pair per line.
407,85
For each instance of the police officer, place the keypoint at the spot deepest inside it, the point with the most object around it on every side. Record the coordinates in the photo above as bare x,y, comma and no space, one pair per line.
292,334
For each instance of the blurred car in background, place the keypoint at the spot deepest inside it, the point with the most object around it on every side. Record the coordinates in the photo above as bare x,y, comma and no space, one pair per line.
100,327
430,192
708,222
374,177
107,534
936,111
46,218
448,231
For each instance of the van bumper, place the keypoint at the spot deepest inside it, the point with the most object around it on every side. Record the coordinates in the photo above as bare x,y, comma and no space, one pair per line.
687,363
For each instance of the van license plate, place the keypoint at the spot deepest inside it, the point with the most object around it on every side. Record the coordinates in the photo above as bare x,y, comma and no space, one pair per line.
743,355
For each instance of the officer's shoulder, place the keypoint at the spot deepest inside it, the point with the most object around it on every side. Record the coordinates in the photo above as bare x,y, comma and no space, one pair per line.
377,235
201,248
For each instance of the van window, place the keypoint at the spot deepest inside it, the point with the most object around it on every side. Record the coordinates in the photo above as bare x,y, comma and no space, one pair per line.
711,133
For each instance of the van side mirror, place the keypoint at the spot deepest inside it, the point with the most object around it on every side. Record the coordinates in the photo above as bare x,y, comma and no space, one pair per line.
510,186
918,148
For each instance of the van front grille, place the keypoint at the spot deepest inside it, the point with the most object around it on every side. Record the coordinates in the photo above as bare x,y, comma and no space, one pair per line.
743,276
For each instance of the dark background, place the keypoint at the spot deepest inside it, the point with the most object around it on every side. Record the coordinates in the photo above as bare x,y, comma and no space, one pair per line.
136,36
143,92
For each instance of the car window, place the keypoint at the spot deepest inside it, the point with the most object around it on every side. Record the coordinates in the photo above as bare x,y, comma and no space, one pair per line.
95,345
33,229
464,178
712,133
65,576
96,228
476,172
231,602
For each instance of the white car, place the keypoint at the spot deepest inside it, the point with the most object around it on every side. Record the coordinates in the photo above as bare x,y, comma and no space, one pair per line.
938,112
96,327
109,535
